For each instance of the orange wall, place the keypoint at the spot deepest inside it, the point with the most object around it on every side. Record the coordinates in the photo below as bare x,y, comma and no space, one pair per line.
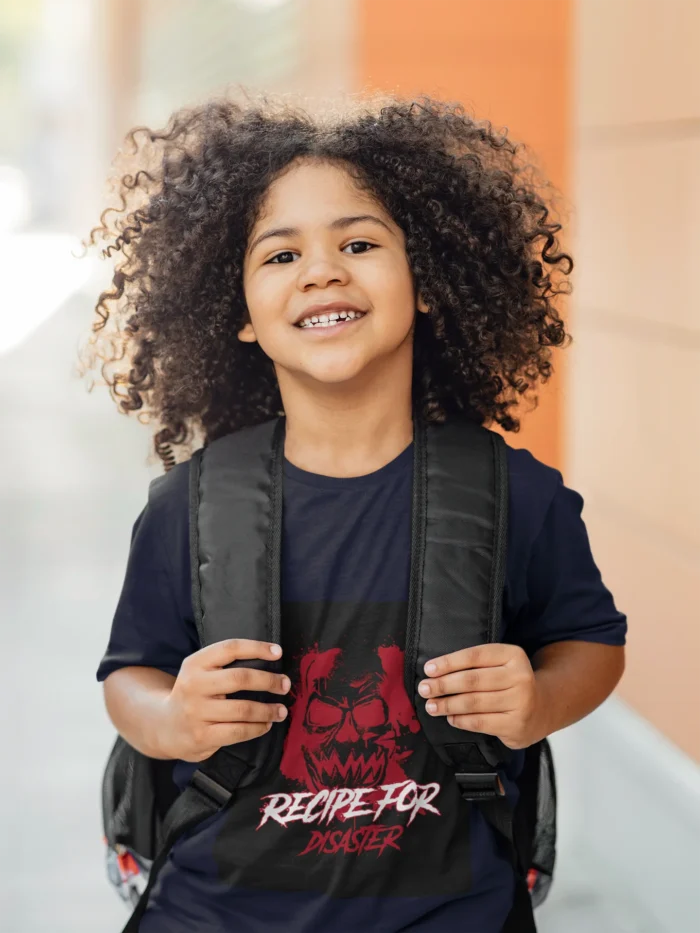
506,61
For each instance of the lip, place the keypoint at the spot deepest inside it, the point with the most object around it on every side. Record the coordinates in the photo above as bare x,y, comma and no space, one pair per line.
329,306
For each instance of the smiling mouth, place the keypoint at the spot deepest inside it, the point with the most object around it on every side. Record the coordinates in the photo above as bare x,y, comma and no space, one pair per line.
332,319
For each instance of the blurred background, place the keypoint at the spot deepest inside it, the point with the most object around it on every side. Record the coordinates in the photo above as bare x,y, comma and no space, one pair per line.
607,95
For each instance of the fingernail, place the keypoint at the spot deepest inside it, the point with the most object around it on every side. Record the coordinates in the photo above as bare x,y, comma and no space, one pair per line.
430,668
451,720
424,689
276,650
286,684
431,707
282,712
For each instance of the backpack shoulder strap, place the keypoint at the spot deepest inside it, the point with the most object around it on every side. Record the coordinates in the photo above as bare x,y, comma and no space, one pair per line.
236,533
235,556
460,503
203,797
235,527
458,558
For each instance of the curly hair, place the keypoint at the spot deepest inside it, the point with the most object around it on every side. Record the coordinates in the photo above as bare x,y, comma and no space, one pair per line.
478,239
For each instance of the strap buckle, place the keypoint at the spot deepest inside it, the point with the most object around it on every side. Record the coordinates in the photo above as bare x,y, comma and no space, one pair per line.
210,788
480,786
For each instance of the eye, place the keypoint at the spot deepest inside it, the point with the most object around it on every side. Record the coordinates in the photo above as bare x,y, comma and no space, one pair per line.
371,713
288,252
274,259
323,714
361,243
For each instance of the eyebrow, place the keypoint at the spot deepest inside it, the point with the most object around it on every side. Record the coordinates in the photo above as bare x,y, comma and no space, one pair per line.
339,224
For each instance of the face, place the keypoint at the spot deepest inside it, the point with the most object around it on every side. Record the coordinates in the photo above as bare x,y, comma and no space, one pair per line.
350,724
320,240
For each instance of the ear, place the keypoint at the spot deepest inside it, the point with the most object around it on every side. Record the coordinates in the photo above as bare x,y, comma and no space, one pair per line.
422,306
247,334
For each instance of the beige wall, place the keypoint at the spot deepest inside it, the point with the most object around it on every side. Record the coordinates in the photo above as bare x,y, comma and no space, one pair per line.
633,425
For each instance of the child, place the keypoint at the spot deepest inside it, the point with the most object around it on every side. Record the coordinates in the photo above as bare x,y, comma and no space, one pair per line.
418,260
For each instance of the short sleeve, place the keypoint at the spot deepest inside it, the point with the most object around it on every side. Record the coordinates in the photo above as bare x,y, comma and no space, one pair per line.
566,599
153,625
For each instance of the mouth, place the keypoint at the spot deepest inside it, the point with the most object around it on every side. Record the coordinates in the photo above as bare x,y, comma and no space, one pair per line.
356,769
331,320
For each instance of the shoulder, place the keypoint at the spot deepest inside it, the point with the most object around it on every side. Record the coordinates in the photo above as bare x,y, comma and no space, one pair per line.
167,509
554,590
153,622
536,493
528,473
162,528
169,488
533,487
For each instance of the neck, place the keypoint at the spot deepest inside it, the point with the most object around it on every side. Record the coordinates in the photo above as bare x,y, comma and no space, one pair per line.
347,431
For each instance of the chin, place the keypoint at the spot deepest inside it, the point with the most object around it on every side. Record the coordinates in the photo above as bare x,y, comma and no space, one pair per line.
335,369
326,366
337,375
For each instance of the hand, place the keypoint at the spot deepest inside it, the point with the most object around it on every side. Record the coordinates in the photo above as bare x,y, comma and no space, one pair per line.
198,719
490,688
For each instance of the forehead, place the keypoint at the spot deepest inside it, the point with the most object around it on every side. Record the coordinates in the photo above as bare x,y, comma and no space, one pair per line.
315,190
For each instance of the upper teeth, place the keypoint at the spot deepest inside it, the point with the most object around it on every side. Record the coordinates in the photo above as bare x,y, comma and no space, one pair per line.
328,320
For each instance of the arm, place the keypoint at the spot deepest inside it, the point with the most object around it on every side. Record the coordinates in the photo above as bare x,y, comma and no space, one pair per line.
572,678
135,700
496,690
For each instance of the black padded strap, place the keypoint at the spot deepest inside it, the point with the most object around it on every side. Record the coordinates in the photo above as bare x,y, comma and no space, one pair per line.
475,762
521,918
236,535
458,545
192,808
209,791
499,814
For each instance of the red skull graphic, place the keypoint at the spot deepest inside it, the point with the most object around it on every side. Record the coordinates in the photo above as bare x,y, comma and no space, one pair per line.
349,728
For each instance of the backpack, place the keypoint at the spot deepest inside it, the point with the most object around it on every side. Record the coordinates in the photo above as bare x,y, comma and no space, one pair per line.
459,521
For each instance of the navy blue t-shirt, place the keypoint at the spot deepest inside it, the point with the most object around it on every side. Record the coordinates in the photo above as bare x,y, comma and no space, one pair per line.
362,826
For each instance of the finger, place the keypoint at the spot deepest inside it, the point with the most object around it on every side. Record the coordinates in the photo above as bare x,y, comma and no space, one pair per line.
488,723
492,655
243,678
477,680
224,652
218,734
219,711
503,701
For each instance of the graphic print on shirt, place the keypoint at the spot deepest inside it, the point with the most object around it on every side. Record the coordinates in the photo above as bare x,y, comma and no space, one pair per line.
348,749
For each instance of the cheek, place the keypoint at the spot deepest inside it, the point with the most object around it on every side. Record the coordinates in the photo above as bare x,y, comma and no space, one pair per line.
266,308
397,300
398,317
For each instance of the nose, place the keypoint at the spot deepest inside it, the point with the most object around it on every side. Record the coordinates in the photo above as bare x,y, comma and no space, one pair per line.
321,271
348,731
